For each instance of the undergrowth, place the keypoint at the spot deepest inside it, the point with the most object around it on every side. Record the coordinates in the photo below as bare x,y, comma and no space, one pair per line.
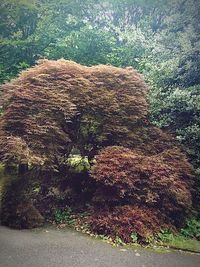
187,239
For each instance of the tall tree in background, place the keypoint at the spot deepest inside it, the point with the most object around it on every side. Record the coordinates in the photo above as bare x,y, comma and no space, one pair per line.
175,96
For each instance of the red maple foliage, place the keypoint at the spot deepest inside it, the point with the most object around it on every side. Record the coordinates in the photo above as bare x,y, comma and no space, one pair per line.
162,181
122,221
58,107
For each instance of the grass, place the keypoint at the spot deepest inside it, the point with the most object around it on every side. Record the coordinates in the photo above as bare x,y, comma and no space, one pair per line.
182,243
179,243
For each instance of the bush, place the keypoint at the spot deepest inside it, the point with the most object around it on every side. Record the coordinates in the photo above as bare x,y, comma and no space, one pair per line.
58,115
178,110
162,181
123,221
192,229
17,209
64,216
59,105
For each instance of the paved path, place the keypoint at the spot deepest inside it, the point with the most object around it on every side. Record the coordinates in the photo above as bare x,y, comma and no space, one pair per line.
50,247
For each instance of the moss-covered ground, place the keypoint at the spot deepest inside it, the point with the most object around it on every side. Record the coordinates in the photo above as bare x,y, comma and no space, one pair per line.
182,243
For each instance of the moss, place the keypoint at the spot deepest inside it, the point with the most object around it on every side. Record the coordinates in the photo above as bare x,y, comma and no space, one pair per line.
180,242
78,164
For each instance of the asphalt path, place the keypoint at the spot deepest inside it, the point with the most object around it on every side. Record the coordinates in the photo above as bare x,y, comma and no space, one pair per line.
49,247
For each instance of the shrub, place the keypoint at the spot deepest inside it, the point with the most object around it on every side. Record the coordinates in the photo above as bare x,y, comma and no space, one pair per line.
58,115
165,235
178,109
64,216
123,221
17,209
192,229
58,105
162,181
